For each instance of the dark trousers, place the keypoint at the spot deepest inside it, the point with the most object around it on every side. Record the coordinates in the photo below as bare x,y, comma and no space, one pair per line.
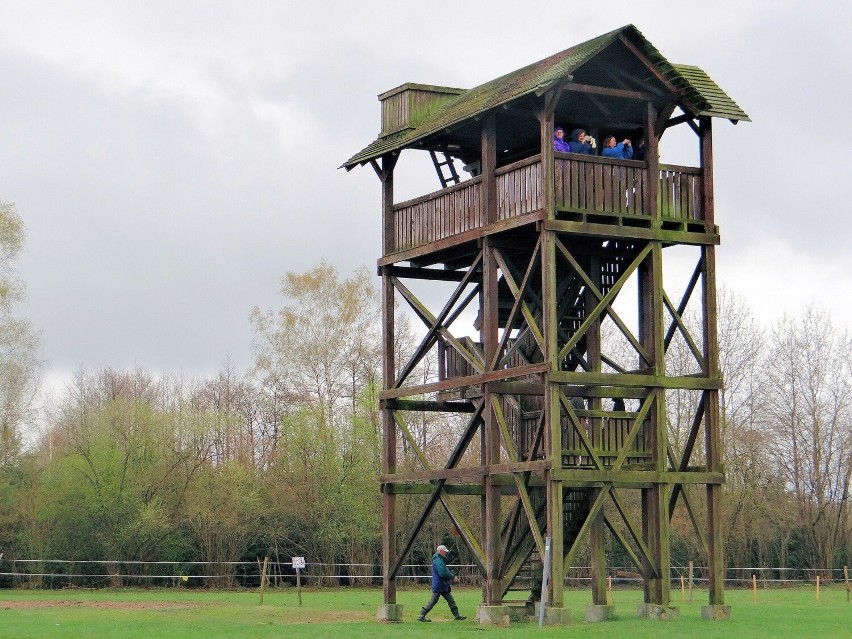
437,595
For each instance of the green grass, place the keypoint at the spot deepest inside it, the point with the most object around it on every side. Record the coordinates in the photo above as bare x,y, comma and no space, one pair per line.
350,614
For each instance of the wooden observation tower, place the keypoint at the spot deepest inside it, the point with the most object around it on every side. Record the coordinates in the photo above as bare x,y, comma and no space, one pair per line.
555,322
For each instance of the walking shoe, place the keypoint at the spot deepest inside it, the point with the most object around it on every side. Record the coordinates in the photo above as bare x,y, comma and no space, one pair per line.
459,618
422,618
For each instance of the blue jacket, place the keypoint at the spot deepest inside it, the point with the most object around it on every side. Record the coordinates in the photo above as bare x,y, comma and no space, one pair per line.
442,578
560,144
619,151
577,146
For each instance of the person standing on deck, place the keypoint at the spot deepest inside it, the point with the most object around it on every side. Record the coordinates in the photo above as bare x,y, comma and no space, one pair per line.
621,151
582,143
559,142
442,580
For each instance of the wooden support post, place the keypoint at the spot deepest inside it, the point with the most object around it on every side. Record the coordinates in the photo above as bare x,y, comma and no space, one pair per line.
754,589
597,540
388,218
705,128
655,520
652,158
389,461
846,579
552,407
713,445
492,591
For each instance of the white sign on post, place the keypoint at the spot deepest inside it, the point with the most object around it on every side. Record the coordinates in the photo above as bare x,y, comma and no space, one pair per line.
299,563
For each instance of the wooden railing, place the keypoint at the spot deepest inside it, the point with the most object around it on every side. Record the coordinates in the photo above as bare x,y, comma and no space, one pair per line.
584,185
607,439
519,188
438,215
681,193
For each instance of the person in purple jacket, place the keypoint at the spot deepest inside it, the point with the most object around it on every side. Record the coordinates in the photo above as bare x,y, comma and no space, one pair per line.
559,142
442,580
621,151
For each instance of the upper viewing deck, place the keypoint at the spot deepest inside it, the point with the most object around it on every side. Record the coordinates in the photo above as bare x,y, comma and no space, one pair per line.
502,133
588,190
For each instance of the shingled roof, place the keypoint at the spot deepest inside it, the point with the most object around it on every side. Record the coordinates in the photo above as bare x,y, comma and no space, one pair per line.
700,95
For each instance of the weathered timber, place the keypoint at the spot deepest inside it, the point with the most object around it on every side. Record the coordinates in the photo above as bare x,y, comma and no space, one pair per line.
541,245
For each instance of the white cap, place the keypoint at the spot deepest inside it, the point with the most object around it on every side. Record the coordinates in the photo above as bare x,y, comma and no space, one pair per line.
442,548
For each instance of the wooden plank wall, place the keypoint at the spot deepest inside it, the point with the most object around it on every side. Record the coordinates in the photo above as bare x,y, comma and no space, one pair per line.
587,183
681,194
519,188
607,441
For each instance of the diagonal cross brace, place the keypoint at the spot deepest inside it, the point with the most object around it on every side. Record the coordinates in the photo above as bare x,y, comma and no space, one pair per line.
604,302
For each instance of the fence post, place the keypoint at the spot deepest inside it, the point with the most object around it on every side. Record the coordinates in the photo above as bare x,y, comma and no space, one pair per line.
263,578
690,580
846,579
754,589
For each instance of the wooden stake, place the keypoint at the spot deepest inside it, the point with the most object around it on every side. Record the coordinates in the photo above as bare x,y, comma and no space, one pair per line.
817,590
263,578
846,579
690,580
682,588
754,589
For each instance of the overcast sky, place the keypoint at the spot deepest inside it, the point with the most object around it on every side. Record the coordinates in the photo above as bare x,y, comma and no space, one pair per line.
172,160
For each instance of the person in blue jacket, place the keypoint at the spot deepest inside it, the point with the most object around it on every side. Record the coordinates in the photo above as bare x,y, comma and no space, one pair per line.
559,141
621,151
582,143
442,580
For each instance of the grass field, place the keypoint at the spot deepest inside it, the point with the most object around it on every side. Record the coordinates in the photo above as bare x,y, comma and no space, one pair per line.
350,614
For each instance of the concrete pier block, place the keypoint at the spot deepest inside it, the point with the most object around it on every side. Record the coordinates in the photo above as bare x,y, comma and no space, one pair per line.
556,616
596,613
658,612
389,613
492,615
716,613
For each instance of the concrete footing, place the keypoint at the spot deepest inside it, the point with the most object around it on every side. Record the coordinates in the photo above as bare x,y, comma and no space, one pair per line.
658,612
389,613
596,613
716,613
492,615
556,616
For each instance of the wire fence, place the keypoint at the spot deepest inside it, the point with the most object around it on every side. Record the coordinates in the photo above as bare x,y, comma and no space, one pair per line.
62,573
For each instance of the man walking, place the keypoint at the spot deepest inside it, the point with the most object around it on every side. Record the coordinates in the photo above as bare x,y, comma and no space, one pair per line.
442,579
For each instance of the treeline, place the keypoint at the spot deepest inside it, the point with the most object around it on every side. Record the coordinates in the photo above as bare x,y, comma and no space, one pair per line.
284,459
